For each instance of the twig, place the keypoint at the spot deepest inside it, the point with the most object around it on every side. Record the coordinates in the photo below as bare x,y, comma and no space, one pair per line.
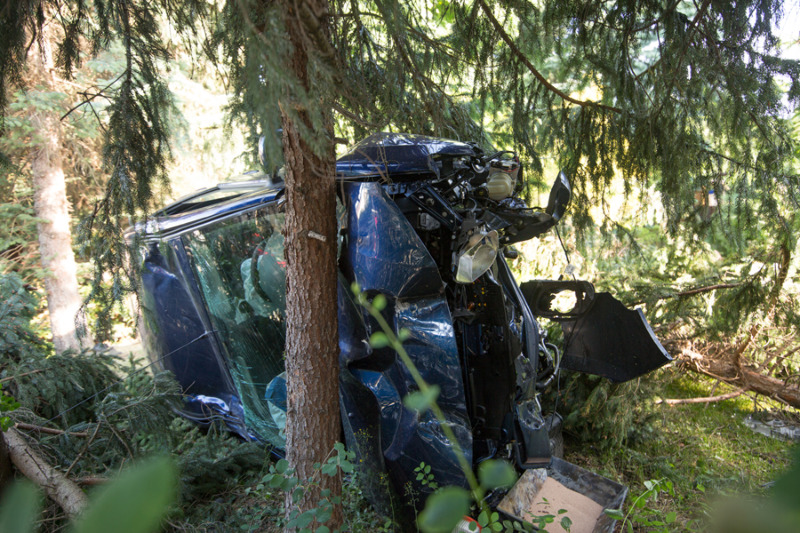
9,378
91,481
85,448
697,290
50,431
709,399
713,390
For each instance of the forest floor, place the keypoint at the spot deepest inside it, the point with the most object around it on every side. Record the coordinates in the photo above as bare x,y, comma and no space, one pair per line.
697,456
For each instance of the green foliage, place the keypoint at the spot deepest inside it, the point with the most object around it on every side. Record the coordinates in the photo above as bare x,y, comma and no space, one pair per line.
282,478
496,474
135,502
17,308
425,476
7,404
19,507
640,514
444,509
604,415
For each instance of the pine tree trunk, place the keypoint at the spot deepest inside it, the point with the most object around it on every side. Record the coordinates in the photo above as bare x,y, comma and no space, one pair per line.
312,362
50,204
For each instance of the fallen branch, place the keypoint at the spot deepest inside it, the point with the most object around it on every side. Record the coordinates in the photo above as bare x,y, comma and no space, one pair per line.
50,431
742,377
12,378
60,489
708,399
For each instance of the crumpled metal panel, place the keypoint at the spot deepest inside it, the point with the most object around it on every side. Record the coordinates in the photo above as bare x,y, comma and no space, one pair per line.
384,255
398,154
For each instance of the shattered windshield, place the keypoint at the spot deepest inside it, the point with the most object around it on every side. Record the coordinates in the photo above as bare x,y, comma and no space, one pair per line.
241,270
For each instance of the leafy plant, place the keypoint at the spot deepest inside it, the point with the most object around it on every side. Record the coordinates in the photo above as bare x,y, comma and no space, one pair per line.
642,514
7,404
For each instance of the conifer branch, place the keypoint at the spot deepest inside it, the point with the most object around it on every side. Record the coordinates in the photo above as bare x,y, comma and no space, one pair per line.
538,75
700,14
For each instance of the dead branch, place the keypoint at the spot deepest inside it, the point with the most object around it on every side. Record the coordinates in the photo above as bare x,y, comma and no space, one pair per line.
11,378
91,481
50,431
60,489
709,399
720,364
692,292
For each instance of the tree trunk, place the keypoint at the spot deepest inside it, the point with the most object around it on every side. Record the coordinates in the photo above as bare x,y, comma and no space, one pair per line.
312,348
60,489
50,204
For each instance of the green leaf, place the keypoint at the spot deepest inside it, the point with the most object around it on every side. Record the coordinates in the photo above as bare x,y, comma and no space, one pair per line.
135,502
379,340
379,302
422,400
282,466
443,510
616,514
671,517
20,507
496,473
566,523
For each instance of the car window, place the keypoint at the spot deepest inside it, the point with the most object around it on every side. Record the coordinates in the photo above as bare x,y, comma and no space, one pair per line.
240,267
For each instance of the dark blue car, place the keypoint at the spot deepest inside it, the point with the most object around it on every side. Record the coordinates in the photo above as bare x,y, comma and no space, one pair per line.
428,223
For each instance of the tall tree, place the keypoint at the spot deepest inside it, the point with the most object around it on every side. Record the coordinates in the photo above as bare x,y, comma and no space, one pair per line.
312,348
52,208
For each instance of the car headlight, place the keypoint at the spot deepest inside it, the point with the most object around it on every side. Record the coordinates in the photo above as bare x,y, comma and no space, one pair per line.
477,256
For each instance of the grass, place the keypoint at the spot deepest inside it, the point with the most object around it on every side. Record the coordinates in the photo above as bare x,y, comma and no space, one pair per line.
705,450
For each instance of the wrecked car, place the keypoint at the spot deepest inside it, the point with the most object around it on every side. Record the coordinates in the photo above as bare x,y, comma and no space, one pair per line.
428,223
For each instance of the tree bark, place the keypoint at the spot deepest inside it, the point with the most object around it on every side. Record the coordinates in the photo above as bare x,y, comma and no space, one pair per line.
51,205
57,487
743,377
312,348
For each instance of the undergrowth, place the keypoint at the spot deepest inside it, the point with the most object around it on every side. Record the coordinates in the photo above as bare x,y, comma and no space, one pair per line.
694,454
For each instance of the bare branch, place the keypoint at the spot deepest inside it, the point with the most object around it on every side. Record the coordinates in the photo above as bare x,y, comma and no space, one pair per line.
709,399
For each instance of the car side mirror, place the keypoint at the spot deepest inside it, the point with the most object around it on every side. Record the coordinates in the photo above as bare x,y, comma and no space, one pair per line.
559,197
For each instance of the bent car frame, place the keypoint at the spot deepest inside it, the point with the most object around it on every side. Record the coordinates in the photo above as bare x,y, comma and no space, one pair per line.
428,223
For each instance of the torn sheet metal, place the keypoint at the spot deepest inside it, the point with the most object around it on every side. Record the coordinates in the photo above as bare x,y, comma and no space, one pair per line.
399,154
385,255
